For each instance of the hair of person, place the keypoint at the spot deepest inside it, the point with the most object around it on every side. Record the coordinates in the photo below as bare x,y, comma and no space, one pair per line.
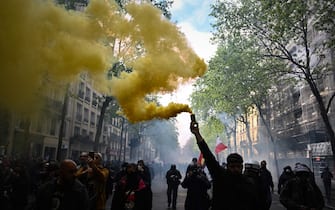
234,158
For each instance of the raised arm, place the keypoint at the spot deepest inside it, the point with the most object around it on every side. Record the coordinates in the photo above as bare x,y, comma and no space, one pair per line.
211,163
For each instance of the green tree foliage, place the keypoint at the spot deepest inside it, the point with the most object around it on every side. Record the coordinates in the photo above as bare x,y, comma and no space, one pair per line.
285,31
163,5
212,129
71,4
236,80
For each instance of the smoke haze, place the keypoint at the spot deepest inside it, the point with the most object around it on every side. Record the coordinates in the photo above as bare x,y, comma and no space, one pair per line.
41,40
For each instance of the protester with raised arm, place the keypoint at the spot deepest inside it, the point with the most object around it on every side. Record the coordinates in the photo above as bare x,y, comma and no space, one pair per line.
231,190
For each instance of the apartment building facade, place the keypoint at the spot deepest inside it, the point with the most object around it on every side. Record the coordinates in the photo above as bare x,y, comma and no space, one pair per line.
38,136
293,116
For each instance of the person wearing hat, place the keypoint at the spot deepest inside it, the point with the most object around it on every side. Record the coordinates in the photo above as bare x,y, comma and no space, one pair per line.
301,192
231,190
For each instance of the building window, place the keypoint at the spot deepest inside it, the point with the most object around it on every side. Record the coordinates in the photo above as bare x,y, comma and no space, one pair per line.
296,97
49,153
84,132
298,113
92,118
79,112
94,100
85,115
76,131
81,90
91,136
88,94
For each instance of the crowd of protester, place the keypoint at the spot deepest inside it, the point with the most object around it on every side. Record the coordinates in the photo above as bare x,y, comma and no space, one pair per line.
85,184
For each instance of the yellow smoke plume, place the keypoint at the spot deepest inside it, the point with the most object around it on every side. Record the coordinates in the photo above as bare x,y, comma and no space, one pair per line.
41,41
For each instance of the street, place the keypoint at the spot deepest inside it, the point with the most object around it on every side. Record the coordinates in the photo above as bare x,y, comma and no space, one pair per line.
160,198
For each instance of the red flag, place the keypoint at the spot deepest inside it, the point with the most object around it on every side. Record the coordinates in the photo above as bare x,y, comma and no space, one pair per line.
201,160
219,146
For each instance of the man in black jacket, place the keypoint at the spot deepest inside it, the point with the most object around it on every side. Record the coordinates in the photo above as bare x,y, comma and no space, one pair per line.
173,178
268,185
286,175
231,190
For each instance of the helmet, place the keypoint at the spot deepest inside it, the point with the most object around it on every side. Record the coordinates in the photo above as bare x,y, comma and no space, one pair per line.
254,165
299,167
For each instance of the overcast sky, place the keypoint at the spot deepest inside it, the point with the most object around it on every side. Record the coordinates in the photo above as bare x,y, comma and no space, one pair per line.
192,16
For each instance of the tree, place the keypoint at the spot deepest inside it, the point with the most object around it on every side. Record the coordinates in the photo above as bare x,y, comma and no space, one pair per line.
71,4
163,5
212,129
282,28
235,81
229,123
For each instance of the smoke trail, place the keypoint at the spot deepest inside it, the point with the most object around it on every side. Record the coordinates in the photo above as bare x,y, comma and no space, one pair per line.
39,39
41,42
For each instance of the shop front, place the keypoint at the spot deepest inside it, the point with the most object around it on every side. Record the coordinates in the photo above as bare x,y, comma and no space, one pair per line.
321,156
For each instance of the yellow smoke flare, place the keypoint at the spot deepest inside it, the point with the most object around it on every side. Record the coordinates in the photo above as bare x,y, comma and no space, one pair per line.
168,59
42,42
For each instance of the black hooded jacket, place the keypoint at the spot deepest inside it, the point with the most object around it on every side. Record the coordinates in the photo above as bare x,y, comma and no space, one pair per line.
230,192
